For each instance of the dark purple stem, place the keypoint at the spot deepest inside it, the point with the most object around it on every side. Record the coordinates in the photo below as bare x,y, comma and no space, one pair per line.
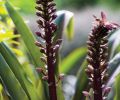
51,68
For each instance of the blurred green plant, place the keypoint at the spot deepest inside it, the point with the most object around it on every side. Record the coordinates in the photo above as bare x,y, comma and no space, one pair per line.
77,4
7,29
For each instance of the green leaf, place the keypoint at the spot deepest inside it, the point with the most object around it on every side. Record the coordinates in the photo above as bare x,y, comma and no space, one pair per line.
69,62
26,34
25,6
60,26
117,88
1,90
60,95
113,64
82,82
114,42
65,23
70,26
22,75
61,23
10,81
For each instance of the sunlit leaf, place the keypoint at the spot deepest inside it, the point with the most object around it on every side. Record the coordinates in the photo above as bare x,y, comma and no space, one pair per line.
65,23
69,62
26,6
2,10
1,90
8,35
117,88
26,35
18,52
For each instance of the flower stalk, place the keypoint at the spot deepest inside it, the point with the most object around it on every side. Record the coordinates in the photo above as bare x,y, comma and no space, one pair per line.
46,13
98,56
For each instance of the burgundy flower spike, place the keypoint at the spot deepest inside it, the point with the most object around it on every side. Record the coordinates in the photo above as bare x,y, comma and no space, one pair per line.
46,12
98,55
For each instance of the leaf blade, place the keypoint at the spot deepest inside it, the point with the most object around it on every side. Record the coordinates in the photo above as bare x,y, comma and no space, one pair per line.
16,91
25,33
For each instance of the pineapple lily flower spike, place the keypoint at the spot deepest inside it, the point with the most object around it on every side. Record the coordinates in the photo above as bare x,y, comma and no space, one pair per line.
46,12
97,57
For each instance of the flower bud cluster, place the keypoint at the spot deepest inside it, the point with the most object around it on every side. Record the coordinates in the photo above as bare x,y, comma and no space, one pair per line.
98,56
46,12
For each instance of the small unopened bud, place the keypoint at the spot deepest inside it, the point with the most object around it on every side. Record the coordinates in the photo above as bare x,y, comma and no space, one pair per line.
59,41
47,24
106,91
39,70
40,35
54,27
56,47
86,94
89,43
90,68
103,66
40,14
54,17
104,45
45,78
38,1
90,79
52,11
44,60
88,72
105,77
38,8
104,98
51,5
38,44
54,61
90,60
61,76
43,50
40,22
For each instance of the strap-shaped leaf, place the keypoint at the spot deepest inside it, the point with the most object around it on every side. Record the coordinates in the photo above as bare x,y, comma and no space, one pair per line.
69,62
82,82
114,42
117,88
22,75
113,64
10,81
65,23
25,33
1,90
